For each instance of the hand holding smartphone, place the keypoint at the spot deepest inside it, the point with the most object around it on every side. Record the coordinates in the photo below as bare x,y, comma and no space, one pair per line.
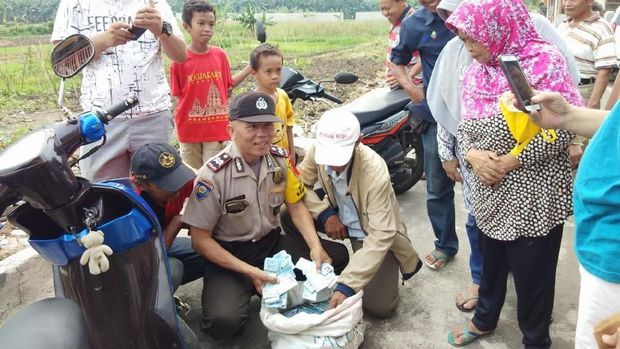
518,83
137,32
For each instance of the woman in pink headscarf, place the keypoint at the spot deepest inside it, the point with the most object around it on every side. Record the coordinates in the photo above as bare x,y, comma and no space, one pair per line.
520,203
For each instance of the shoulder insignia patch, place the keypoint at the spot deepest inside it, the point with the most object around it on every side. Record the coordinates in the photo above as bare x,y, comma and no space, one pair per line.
203,188
218,162
279,151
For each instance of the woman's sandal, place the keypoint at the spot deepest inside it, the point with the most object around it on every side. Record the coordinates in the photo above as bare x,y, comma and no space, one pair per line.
469,296
437,256
468,336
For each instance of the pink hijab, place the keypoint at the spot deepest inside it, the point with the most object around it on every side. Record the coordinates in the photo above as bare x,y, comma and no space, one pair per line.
505,27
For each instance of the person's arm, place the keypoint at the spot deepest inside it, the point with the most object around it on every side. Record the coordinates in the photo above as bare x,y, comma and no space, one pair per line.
382,231
600,84
303,222
172,230
401,56
416,94
240,76
117,34
206,246
415,70
291,144
150,18
614,95
556,112
446,144
173,46
539,150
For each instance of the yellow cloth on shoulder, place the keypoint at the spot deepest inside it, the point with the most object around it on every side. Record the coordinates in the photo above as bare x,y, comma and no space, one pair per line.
521,127
295,189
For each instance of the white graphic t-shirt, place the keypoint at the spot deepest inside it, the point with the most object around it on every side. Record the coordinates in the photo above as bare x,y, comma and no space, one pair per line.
133,69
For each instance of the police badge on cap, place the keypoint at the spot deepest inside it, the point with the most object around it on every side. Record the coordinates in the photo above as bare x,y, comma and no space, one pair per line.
253,106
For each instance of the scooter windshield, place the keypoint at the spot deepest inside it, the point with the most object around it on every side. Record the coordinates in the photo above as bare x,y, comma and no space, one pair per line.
37,168
24,151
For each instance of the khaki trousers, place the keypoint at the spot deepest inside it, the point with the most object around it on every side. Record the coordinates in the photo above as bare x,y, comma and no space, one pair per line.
381,293
196,154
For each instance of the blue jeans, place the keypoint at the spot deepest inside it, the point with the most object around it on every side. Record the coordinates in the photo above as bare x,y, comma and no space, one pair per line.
193,263
439,195
475,258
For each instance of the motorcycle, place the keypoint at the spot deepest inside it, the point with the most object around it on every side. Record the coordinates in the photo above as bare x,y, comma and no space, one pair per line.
386,123
112,281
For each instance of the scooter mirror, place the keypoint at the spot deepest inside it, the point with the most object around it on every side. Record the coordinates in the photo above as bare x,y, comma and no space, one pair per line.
71,55
261,34
345,78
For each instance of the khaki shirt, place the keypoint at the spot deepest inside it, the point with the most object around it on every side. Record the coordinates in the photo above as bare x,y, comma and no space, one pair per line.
231,203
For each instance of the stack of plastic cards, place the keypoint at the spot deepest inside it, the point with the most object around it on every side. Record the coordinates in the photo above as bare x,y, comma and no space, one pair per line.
319,285
281,266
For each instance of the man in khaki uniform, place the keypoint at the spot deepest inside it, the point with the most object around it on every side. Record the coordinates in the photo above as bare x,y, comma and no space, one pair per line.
233,213
359,204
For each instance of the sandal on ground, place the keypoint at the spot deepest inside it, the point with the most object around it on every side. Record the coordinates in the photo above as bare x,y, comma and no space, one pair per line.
437,256
468,297
467,335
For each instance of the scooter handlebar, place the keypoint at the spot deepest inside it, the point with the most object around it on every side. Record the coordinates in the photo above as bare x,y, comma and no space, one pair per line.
332,98
118,109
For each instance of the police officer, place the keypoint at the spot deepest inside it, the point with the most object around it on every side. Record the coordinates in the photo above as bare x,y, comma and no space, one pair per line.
233,213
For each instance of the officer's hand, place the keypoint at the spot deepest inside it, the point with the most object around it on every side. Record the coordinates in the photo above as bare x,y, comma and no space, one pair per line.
335,229
259,278
337,298
319,256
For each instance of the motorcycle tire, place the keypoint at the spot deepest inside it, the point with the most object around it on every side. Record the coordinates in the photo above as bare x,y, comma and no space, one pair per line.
417,169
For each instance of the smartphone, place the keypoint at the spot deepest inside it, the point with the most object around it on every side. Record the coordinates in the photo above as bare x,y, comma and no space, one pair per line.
518,83
137,32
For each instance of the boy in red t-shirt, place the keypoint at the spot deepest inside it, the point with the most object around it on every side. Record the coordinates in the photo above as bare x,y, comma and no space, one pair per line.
202,83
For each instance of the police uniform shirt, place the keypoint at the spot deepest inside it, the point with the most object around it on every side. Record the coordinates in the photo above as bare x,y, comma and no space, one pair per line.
230,202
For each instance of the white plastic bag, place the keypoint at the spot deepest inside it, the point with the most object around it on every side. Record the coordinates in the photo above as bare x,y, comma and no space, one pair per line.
341,327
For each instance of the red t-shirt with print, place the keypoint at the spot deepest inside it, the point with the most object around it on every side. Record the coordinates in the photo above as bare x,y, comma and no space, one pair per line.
201,83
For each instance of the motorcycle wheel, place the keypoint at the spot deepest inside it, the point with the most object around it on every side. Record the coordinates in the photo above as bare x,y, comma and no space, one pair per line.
415,161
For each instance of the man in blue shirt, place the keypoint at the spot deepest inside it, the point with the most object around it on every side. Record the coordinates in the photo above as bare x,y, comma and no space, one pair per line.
426,33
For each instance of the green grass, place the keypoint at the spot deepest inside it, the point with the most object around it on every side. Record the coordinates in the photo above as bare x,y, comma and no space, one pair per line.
299,39
27,80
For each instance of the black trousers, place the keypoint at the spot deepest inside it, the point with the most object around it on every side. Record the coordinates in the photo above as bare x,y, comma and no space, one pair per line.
533,264
226,295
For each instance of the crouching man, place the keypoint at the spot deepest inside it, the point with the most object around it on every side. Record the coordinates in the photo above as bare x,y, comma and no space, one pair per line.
233,213
359,205
165,182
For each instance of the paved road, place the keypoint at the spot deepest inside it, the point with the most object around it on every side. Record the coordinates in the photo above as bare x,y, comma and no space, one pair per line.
426,311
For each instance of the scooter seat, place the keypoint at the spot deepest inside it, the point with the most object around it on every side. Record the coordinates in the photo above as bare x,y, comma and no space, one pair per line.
377,105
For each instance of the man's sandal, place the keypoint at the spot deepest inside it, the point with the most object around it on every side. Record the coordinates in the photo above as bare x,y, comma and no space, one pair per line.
468,337
437,256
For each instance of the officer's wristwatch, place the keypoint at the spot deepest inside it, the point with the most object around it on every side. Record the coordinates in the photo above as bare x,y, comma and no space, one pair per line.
166,28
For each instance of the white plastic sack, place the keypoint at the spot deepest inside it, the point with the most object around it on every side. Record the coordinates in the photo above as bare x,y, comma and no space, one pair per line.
341,327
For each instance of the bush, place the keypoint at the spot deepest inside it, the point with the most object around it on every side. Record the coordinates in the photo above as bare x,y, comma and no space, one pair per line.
21,29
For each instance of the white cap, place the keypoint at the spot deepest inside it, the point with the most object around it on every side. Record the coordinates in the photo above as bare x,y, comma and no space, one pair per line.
336,134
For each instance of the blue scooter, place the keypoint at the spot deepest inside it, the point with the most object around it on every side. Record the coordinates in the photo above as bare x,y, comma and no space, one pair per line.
111,277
